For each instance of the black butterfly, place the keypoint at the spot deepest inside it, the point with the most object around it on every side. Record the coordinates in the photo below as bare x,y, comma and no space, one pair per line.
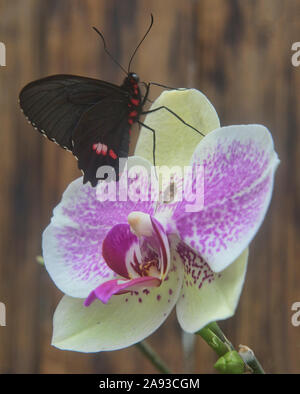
89,117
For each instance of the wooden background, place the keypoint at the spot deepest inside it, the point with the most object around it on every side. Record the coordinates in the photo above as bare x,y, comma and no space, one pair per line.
238,52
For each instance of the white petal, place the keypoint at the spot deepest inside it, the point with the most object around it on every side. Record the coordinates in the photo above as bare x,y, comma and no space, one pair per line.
123,321
207,296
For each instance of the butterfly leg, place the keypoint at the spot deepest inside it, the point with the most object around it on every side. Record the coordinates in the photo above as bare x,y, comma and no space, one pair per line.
147,86
154,139
174,114
166,87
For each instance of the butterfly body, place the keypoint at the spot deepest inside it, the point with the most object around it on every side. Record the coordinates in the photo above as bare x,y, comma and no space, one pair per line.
89,117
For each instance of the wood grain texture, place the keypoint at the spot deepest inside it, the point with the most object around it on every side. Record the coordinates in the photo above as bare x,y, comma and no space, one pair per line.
238,53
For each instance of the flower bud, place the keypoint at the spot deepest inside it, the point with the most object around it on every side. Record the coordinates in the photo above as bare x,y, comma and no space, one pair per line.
230,363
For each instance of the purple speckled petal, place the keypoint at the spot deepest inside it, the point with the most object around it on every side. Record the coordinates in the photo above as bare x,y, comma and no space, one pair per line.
106,290
72,243
239,165
132,193
73,240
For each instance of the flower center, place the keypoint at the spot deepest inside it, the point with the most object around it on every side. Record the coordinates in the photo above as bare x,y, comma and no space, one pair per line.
154,245
150,268
139,253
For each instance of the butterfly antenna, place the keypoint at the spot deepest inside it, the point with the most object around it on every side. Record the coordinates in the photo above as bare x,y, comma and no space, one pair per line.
107,51
135,51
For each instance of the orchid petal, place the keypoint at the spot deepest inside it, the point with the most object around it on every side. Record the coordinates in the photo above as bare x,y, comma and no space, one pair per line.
207,296
239,165
121,251
195,109
105,291
131,256
126,319
163,246
72,243
153,239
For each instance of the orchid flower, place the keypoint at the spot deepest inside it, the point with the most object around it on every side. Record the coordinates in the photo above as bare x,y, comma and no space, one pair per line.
124,265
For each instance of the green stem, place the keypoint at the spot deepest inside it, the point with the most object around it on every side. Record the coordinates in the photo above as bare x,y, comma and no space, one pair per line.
147,351
217,330
215,338
213,341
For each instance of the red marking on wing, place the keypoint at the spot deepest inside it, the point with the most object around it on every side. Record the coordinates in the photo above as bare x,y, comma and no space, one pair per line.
104,150
101,149
112,154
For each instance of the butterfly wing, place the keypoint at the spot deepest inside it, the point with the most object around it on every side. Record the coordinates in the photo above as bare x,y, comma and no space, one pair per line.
102,137
54,105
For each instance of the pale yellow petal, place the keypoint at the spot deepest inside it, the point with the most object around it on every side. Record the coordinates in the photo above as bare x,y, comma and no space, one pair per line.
176,142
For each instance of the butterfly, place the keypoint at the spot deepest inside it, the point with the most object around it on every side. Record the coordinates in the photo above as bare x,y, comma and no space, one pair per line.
88,117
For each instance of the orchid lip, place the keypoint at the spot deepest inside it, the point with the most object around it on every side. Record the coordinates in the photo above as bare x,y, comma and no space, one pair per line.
152,233
140,261
118,286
